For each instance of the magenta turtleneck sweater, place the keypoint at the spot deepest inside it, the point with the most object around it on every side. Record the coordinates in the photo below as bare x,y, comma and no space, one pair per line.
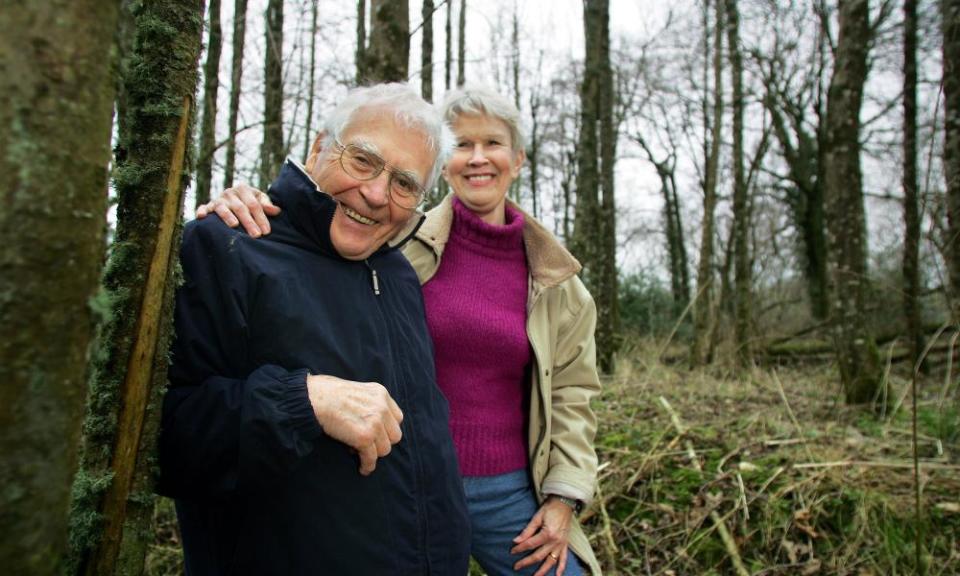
476,312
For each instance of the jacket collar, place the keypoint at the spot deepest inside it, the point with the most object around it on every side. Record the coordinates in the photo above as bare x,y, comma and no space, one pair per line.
549,262
311,210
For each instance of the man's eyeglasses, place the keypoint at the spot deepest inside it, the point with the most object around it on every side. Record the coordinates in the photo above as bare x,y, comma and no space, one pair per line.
363,164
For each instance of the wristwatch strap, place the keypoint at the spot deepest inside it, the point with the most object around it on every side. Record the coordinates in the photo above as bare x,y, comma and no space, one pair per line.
573,503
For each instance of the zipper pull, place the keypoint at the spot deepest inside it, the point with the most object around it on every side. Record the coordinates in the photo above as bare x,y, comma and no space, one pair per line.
373,278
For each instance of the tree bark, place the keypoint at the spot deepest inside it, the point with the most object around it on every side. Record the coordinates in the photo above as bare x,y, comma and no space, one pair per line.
741,205
208,122
426,52
701,352
950,14
388,54
236,77
113,502
608,309
272,150
448,69
308,134
462,46
56,105
361,54
857,357
911,203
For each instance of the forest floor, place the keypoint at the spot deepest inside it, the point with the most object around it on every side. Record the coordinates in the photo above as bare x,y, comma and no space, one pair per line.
702,469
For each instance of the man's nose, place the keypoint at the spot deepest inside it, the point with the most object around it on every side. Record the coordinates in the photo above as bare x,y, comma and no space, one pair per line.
377,190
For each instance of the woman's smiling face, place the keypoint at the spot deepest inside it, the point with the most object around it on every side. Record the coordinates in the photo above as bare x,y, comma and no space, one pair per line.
483,165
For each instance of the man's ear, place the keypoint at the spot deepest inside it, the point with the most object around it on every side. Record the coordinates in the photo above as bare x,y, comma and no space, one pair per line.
315,150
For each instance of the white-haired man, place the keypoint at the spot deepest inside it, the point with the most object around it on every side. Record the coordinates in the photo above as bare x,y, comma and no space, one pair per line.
303,431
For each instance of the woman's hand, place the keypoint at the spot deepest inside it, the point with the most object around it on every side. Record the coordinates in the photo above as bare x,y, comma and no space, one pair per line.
546,535
244,205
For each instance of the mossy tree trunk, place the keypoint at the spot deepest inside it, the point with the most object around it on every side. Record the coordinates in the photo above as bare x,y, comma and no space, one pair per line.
208,118
743,269
56,105
388,53
608,302
594,235
113,503
856,351
911,203
236,78
587,205
272,151
701,350
950,15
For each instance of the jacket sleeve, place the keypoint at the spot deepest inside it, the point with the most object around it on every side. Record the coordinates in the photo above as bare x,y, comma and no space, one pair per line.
572,469
226,427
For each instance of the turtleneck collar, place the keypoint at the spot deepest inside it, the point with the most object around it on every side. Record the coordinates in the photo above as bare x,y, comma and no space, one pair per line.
471,228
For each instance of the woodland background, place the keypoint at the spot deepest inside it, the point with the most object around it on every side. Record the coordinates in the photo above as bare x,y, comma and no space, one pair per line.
765,196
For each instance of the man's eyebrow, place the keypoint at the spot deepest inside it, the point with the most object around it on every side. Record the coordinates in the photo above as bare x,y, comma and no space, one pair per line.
368,146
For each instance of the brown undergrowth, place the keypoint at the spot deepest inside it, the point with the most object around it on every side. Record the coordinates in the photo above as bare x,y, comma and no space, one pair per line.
705,472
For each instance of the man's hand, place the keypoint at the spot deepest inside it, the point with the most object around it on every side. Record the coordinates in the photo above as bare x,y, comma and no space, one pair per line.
244,205
546,534
362,415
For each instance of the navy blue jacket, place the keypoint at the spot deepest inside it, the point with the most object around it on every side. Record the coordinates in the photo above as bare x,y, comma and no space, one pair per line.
260,489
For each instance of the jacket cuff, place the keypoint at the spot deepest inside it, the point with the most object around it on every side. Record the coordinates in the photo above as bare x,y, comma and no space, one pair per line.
570,482
294,402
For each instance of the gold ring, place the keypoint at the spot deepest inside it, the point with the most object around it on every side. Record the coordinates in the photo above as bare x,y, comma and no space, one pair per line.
554,556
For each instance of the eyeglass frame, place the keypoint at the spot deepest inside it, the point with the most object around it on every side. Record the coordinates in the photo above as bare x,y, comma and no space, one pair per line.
382,166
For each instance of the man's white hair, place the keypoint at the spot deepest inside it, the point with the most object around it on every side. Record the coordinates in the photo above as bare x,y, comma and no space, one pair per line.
409,110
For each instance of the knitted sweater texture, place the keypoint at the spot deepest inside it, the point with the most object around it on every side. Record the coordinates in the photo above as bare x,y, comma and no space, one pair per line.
476,313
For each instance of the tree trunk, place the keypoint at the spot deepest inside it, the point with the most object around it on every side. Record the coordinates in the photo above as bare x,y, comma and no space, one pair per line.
700,352
361,54
272,150
113,503
462,47
426,52
533,150
388,54
208,122
308,134
950,14
236,76
741,212
586,221
56,105
911,205
595,225
448,69
859,364
608,310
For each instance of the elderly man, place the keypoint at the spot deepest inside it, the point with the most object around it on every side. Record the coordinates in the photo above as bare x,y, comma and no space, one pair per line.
303,431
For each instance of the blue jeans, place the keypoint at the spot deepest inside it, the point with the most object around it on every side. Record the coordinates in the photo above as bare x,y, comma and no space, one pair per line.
500,507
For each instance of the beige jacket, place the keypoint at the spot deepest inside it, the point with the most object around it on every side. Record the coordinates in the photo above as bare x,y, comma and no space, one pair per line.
561,317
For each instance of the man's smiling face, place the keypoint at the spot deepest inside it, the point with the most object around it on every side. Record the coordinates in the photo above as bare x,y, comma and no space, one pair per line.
366,218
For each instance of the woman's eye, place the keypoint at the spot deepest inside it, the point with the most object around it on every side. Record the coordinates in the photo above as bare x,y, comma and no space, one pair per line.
463,144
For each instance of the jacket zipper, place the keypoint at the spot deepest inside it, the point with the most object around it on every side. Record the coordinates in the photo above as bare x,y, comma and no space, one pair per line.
373,278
